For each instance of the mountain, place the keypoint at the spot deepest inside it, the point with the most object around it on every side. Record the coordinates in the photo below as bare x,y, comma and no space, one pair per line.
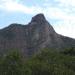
30,38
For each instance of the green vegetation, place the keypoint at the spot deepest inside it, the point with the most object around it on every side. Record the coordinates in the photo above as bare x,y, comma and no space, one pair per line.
11,64
47,62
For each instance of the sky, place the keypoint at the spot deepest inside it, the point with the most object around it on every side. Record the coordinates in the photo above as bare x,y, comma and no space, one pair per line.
59,13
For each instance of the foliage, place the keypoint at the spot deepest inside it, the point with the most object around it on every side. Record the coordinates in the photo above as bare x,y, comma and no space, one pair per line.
11,64
51,63
69,51
47,62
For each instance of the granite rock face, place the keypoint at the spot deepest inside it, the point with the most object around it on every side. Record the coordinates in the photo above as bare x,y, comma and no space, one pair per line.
29,39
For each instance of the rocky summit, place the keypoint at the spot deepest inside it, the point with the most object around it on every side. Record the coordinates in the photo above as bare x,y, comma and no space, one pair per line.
31,38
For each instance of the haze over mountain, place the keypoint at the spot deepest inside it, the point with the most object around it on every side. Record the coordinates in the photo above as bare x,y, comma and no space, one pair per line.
29,39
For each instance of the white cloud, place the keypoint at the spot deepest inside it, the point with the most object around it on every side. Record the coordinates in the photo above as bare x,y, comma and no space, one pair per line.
14,6
65,28
66,2
66,16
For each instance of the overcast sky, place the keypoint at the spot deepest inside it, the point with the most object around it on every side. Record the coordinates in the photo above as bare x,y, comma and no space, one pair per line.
59,13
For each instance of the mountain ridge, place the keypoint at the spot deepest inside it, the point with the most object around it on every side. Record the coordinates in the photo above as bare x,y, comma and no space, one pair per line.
30,38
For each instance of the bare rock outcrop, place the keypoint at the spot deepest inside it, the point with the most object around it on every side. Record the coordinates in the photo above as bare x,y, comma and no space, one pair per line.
29,39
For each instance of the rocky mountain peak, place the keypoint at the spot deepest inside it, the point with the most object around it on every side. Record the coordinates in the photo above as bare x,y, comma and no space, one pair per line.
31,38
39,18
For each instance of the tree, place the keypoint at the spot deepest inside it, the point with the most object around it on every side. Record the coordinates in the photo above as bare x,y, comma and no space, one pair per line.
11,64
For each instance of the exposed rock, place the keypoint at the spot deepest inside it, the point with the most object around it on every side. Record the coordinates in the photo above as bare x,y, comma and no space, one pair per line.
29,39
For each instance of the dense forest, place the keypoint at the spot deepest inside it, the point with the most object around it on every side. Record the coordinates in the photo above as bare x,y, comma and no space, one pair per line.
46,62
